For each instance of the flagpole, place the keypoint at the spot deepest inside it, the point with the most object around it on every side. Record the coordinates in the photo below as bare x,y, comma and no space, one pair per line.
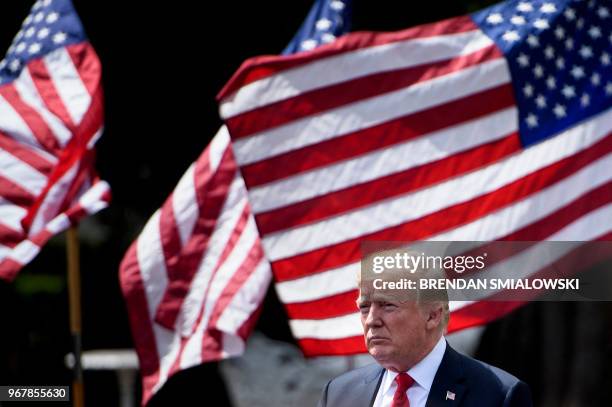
74,304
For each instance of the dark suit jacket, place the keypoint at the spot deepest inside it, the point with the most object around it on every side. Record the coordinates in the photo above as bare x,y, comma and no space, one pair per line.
474,383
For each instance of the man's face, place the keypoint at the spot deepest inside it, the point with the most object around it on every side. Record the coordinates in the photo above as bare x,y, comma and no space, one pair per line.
395,331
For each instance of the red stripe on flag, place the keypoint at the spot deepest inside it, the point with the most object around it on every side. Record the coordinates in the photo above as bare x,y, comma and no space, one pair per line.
90,70
453,216
48,92
554,222
326,307
142,330
320,100
234,237
332,347
170,239
342,304
212,337
397,184
480,313
77,212
34,121
14,193
75,150
229,247
80,179
261,67
380,136
211,191
247,327
236,233
579,259
210,345
9,269
10,237
25,154
41,237
176,365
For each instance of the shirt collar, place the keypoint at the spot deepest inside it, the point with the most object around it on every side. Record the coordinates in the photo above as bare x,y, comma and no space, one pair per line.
423,372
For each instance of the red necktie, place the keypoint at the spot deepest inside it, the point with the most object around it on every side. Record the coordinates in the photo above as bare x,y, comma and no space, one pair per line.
400,399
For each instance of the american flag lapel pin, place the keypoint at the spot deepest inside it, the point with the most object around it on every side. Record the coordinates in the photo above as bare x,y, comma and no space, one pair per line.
450,395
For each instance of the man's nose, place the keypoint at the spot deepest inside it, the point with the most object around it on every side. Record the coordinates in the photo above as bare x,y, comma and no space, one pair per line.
374,318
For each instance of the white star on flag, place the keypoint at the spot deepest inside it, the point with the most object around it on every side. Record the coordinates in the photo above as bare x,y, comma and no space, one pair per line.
525,7
559,111
548,8
511,36
495,18
533,41
51,18
532,120
541,24
517,20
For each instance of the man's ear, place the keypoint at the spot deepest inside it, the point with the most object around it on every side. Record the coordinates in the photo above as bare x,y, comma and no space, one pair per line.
435,315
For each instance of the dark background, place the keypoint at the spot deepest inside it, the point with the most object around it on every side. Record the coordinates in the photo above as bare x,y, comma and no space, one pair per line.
163,63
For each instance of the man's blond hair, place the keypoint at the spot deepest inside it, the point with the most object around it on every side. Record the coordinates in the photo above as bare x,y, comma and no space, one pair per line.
366,277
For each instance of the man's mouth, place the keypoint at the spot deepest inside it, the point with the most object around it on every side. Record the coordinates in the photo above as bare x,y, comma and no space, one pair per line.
377,339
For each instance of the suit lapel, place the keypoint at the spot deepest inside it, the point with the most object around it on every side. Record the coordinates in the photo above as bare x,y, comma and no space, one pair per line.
447,388
371,383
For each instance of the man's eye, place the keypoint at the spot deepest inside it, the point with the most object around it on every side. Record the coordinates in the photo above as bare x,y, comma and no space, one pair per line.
364,308
389,305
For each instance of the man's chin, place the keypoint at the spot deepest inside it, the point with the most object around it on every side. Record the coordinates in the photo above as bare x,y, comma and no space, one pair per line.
379,352
386,358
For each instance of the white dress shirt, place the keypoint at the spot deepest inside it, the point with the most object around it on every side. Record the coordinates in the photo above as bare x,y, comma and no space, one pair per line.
423,374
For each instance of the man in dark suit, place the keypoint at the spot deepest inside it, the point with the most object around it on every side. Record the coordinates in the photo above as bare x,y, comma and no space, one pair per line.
415,366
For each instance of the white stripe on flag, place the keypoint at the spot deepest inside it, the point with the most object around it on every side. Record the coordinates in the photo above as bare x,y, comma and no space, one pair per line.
526,211
490,227
29,94
396,158
531,260
58,224
247,300
92,200
53,199
185,212
5,251
319,285
68,83
229,215
217,147
11,215
24,252
227,269
233,345
152,263
168,347
591,226
402,209
331,328
371,112
359,63
12,124
455,306
22,174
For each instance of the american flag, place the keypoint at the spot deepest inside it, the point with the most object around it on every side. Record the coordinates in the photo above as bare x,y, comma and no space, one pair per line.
494,126
195,278
51,113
